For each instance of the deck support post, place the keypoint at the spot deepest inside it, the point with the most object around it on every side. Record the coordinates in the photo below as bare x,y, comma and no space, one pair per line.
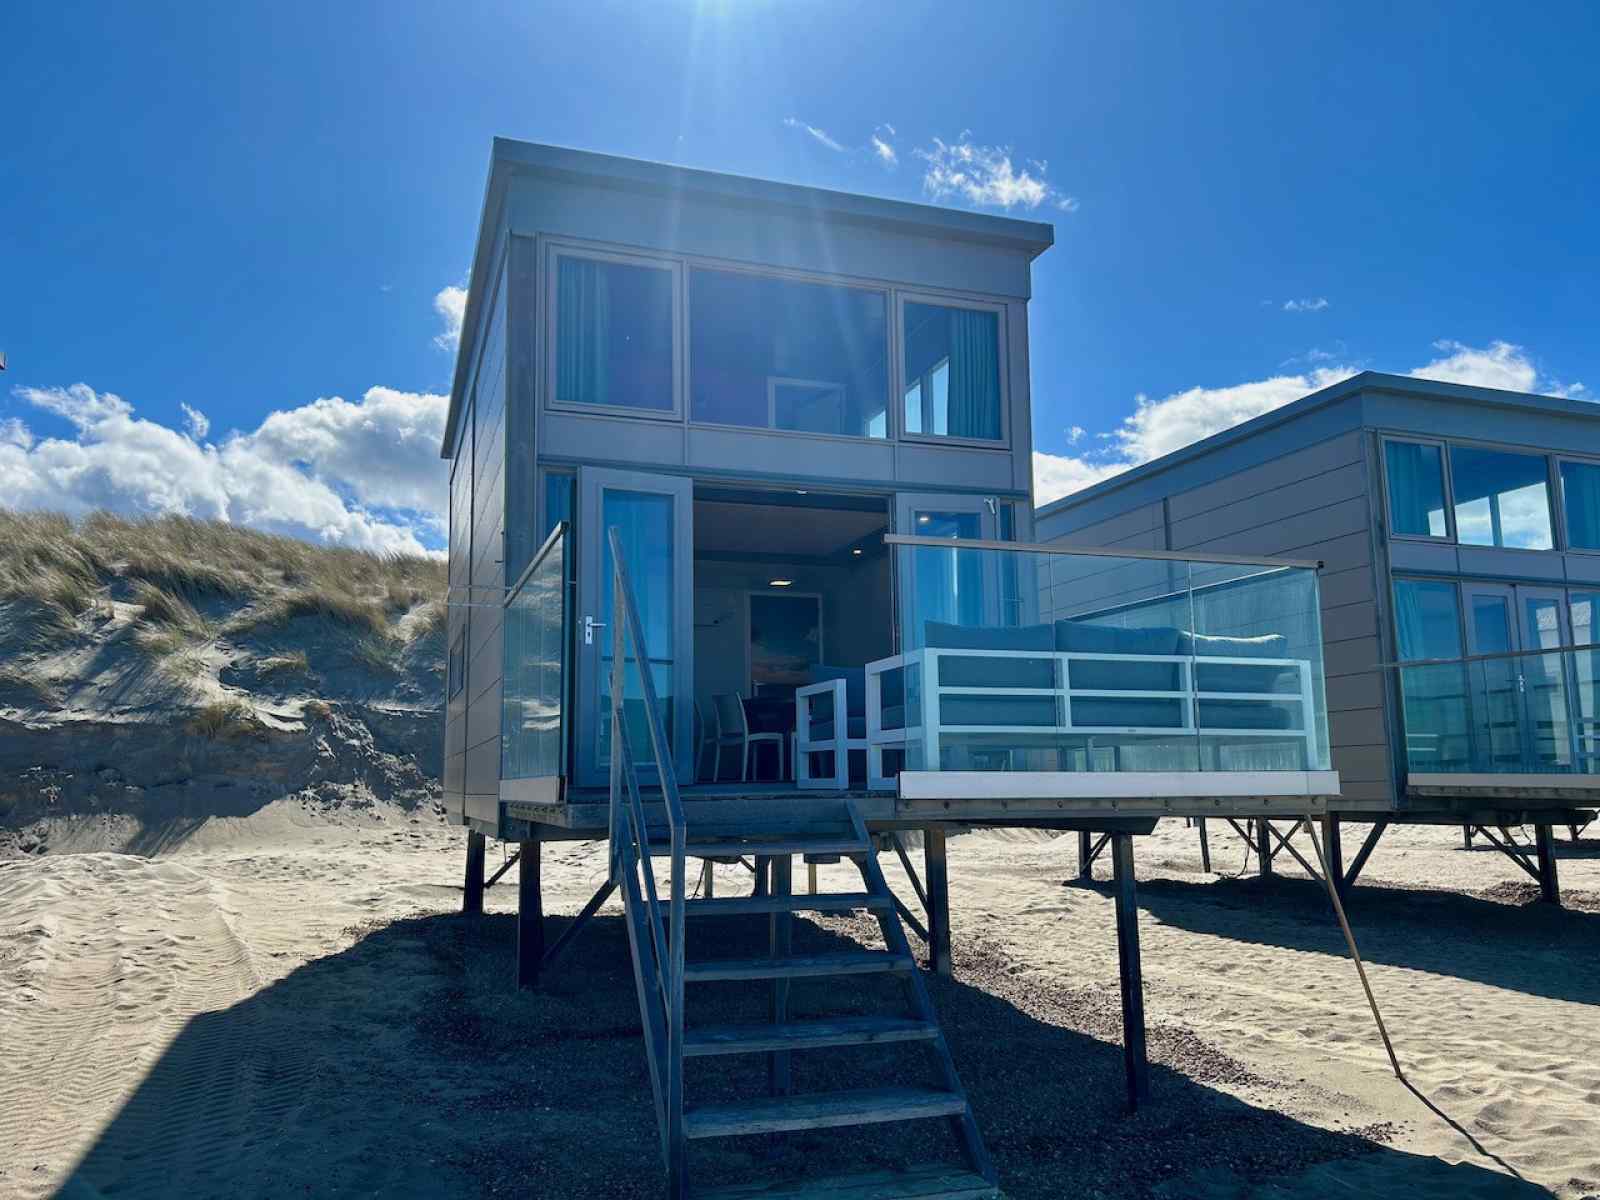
937,869
763,875
1205,846
779,1076
1333,843
708,880
472,891
1544,844
1131,977
530,916
1367,847
1264,845
1085,855
1466,837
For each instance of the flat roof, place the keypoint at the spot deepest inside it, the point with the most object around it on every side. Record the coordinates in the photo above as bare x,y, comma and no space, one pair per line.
509,157
1366,381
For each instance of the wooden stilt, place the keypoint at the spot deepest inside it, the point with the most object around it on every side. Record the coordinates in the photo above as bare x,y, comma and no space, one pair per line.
708,879
763,875
1367,847
1333,840
1544,844
472,891
1264,845
811,878
1466,837
1205,846
578,922
937,869
779,1076
1131,977
530,917
1085,855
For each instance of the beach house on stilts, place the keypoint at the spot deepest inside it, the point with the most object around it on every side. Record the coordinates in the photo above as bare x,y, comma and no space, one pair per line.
742,566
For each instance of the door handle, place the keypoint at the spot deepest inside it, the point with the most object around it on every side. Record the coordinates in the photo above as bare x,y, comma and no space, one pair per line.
589,626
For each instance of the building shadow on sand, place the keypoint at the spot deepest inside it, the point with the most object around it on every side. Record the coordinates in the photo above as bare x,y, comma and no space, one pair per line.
410,1065
1530,947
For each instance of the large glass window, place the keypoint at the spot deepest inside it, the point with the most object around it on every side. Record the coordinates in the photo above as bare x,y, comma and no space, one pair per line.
783,354
1427,619
1416,489
1580,492
614,334
952,365
1501,499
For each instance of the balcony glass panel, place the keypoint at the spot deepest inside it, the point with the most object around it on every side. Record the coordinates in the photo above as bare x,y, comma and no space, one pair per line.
532,743
1416,489
783,354
1513,714
1501,499
1019,660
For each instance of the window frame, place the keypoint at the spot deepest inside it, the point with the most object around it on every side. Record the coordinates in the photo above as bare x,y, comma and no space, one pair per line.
1003,360
692,262
1463,634
1551,479
1447,491
553,251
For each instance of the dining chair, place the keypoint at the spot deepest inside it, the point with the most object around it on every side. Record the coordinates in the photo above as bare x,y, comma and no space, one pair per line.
733,731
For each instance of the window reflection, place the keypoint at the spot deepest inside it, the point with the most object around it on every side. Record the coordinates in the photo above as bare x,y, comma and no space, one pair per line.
952,366
1416,489
614,334
784,354
1501,499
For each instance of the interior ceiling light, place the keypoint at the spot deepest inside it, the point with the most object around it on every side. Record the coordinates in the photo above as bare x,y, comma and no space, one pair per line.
857,550
779,582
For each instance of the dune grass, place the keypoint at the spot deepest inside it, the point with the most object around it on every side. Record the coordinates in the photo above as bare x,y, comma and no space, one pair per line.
176,565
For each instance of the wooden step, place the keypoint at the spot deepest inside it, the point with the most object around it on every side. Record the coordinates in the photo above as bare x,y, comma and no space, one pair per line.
860,962
820,1110
736,847
805,1035
933,1181
822,902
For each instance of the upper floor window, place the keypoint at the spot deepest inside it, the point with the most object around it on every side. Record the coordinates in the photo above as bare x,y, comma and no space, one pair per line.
778,353
952,371
1580,492
1415,474
1501,498
615,333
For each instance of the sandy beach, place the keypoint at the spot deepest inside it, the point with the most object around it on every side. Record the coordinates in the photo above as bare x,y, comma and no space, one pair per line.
288,1004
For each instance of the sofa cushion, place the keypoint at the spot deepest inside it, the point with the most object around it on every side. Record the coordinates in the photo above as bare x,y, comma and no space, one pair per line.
1247,714
1203,645
1096,711
1086,638
1001,712
1240,677
940,636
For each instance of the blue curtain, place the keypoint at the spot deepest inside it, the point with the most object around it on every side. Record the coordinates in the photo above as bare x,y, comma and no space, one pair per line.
583,332
1580,483
974,374
1416,489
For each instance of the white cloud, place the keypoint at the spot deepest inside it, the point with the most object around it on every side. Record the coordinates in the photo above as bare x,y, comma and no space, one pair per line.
985,176
322,471
1309,304
817,134
195,421
883,147
1499,365
1157,427
451,305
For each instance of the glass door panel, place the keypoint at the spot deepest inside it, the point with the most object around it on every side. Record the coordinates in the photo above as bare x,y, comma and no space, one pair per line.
1545,681
654,515
1495,683
958,588
1585,613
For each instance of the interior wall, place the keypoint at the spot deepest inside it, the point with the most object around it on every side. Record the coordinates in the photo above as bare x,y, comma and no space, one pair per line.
856,618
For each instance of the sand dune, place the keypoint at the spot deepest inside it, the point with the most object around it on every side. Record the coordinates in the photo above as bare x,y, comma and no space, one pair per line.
282,1005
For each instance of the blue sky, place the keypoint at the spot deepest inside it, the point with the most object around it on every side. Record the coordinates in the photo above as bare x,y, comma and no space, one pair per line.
252,211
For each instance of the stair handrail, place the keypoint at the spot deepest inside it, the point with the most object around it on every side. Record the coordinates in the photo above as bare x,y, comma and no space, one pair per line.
626,629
